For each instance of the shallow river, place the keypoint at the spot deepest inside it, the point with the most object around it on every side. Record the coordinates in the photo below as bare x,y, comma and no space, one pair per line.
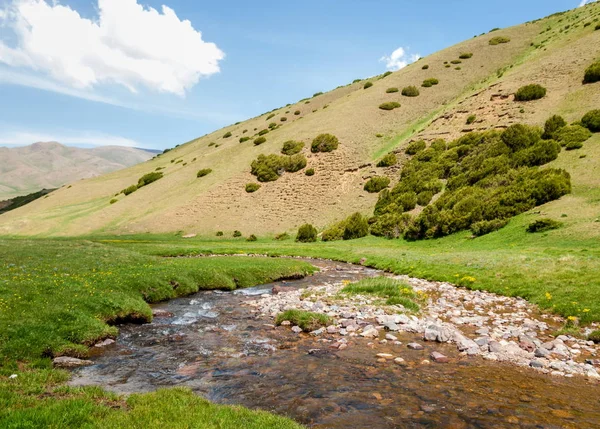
221,351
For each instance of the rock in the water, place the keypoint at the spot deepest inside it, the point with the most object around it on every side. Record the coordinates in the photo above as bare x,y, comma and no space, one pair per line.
414,346
439,358
318,332
157,312
391,337
370,333
70,362
296,329
105,343
437,333
385,356
399,361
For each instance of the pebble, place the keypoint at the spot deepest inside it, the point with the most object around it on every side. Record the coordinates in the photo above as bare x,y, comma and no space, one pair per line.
296,329
415,346
399,361
385,356
439,358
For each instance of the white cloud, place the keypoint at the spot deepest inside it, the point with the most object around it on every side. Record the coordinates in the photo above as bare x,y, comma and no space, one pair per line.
584,2
23,138
399,59
128,45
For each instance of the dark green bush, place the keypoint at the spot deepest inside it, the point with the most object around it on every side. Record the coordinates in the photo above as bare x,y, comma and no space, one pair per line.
324,143
282,236
425,67
294,163
415,147
292,147
129,190
263,132
592,73
268,168
520,136
428,83
356,226
552,125
335,232
390,105
252,187
530,92
597,27
471,119
376,184
465,55
591,120
283,119
227,135
388,160
456,62
424,198
114,200
237,233
486,226
259,141
209,145
297,112
410,91
272,125
498,40
307,234
204,172
572,136
244,139
272,115
316,94
148,178
310,172
367,85
391,90
386,74
219,233
251,237
542,225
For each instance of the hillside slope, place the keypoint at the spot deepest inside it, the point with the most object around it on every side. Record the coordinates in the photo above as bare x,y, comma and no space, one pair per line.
48,165
553,52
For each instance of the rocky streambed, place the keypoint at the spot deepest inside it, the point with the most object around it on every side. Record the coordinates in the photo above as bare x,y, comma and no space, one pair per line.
469,359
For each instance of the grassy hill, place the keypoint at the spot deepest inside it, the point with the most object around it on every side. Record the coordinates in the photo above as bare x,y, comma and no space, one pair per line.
553,52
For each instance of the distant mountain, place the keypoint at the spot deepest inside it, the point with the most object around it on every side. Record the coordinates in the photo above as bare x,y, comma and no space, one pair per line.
28,169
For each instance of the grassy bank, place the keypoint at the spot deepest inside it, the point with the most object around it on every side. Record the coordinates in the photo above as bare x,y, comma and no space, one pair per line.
59,296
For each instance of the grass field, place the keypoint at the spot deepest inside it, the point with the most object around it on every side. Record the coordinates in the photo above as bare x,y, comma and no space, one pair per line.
57,297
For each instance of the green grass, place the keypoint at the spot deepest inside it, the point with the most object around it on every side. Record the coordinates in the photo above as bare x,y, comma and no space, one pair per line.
306,320
57,297
394,292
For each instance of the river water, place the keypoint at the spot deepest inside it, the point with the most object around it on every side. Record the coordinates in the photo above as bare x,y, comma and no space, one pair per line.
214,345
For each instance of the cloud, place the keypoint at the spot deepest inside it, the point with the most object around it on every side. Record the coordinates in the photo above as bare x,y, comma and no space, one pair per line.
23,138
399,59
128,44
584,2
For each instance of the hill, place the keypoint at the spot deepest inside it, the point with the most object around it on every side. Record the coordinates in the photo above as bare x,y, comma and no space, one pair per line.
477,80
48,165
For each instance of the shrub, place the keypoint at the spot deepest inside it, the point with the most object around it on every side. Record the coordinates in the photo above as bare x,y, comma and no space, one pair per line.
597,27
471,119
244,139
388,160
465,55
592,73
307,234
520,136
259,141
209,145
410,91
486,226
297,112
252,187
292,147
114,200
252,237
263,132
424,198
148,178
219,233
391,90
356,226
542,225
294,163
283,119
368,85
572,136
386,74
130,190
310,172
428,83
376,184
272,125
595,335
282,236
498,40
530,92
415,147
237,233
272,115
203,172
425,67
552,125
227,135
306,320
324,143
591,120
456,62
335,232
390,105
316,94
268,168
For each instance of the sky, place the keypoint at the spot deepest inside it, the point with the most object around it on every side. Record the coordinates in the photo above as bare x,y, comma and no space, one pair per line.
155,74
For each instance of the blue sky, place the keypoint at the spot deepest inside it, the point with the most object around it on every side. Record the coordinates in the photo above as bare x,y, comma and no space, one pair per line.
137,77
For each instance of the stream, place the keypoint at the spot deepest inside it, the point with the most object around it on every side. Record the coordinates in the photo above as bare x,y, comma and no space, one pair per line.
212,344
